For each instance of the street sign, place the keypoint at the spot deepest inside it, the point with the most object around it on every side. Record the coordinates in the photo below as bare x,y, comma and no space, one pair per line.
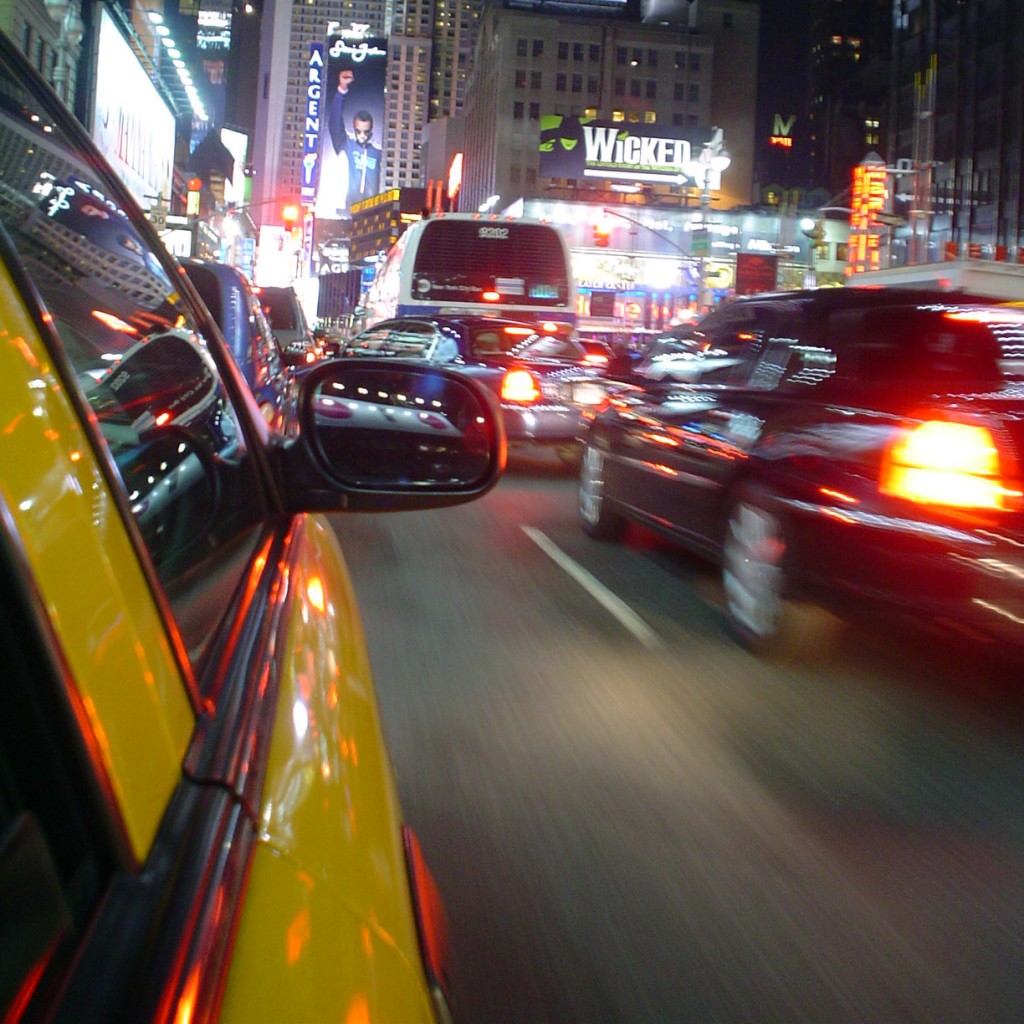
700,242
158,217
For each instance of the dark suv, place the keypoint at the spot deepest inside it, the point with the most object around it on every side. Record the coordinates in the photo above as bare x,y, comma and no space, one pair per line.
860,448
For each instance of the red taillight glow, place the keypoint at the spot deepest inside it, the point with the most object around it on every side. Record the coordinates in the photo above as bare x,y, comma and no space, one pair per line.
491,296
519,386
310,357
943,463
595,359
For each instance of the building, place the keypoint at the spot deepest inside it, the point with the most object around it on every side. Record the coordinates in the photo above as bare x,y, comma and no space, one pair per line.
956,130
850,43
679,71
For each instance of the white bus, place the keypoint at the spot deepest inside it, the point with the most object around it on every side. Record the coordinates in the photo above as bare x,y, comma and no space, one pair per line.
474,263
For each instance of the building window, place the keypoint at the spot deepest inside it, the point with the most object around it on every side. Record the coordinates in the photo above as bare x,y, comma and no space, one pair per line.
521,48
560,80
590,111
577,51
650,117
593,84
531,176
634,87
535,79
520,79
595,53
538,47
620,87
618,115
577,83
652,89
638,57
693,93
563,51
534,111
652,58
513,174
517,110
695,62
620,55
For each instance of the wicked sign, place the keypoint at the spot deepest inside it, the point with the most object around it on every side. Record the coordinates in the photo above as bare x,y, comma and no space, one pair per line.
580,147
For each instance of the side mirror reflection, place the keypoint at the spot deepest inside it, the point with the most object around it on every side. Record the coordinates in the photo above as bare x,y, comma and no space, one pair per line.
386,426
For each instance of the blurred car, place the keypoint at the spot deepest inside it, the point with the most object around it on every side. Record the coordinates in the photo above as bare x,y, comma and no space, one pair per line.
596,353
860,449
198,820
284,312
541,380
232,302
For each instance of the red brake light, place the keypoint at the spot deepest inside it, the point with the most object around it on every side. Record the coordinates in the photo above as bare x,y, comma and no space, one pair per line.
491,296
519,386
942,463
595,359
310,357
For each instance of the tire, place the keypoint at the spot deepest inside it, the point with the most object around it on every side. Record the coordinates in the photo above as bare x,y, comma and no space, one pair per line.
596,518
759,603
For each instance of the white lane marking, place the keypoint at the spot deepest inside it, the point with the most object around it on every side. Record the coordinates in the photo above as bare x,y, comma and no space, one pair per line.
597,590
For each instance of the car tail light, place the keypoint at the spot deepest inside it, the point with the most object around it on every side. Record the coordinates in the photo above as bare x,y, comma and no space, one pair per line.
519,386
595,359
431,924
310,357
957,465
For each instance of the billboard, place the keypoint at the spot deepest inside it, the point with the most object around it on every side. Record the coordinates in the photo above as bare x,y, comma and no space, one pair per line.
131,124
342,152
581,147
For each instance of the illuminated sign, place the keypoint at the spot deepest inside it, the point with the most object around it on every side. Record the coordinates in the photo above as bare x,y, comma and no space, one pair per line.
782,131
868,195
311,131
579,147
132,125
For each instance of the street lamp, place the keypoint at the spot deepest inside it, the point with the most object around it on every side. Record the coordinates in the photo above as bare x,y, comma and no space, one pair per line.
72,29
707,169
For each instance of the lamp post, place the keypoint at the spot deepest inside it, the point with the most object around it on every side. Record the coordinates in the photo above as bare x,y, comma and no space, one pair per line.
66,15
707,169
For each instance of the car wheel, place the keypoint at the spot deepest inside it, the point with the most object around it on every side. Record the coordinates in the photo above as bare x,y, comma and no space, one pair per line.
762,611
597,519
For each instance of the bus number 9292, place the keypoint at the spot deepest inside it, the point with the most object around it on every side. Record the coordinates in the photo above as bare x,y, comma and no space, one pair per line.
468,263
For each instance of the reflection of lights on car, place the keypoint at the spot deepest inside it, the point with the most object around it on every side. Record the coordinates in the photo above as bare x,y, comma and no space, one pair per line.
113,322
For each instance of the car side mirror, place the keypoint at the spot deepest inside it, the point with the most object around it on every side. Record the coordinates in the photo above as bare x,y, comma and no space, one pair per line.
375,434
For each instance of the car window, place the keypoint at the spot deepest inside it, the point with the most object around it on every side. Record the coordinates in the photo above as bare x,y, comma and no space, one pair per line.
280,309
172,437
914,348
406,339
549,346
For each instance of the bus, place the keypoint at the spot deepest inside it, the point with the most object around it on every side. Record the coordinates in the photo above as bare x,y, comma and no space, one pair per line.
450,263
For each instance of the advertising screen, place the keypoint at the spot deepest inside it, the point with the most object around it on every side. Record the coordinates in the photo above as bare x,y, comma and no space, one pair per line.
580,147
347,156
132,125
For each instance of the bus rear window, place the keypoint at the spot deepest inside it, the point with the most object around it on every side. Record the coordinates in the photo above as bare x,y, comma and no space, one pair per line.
458,260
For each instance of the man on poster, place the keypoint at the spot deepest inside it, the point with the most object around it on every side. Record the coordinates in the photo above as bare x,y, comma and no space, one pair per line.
332,191
364,159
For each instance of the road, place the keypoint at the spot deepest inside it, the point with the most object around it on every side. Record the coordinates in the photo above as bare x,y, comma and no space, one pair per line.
634,820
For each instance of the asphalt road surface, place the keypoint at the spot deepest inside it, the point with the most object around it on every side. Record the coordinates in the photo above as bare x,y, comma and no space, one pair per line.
634,820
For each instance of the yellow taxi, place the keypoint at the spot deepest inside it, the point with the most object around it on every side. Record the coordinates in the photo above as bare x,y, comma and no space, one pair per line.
198,819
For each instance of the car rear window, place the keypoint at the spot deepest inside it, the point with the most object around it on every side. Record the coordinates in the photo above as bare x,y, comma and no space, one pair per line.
961,349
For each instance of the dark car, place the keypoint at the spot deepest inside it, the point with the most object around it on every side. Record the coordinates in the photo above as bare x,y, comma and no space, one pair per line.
285,315
232,302
542,380
861,449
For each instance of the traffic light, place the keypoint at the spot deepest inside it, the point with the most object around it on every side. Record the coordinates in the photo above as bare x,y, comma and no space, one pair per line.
602,235
290,214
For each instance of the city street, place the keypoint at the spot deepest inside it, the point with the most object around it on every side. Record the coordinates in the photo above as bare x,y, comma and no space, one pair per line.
634,820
